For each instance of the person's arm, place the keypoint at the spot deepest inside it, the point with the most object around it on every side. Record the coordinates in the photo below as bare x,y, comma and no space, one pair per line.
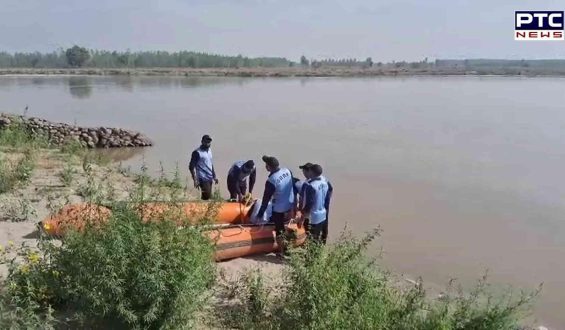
295,192
269,191
328,197
294,182
214,174
194,158
252,178
302,195
310,194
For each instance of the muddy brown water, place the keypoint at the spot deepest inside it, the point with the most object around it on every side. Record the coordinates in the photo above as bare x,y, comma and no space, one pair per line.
463,174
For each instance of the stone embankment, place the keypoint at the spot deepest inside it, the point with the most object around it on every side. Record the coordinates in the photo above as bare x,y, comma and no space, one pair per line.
91,137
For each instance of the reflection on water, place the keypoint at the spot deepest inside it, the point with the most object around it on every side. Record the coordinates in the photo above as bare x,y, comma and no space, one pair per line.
80,87
125,83
121,154
38,81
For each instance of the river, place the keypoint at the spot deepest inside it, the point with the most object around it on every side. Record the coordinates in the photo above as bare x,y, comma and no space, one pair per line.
463,174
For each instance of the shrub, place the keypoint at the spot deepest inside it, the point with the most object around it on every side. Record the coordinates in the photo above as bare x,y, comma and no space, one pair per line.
25,166
68,173
336,287
7,181
22,296
13,174
72,147
126,274
18,136
14,317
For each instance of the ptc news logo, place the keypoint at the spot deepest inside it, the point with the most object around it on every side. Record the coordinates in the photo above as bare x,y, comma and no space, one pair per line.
538,25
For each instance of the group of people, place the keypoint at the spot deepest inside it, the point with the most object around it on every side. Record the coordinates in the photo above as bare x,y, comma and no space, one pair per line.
285,196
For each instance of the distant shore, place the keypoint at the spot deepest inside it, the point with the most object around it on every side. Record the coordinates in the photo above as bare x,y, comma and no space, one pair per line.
284,72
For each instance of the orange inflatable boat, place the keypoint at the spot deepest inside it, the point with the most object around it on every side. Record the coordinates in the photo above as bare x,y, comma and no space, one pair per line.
239,241
231,241
197,212
77,215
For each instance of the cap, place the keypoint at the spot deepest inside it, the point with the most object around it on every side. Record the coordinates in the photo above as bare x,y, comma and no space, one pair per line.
306,166
271,161
206,138
317,169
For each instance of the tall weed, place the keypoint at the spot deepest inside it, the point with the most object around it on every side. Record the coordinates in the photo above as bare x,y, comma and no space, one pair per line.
337,287
126,273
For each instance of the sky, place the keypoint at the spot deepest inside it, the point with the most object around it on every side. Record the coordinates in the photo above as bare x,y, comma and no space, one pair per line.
384,30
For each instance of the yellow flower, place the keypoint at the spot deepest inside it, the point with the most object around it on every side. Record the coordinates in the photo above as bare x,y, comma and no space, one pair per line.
11,243
1,248
24,269
33,257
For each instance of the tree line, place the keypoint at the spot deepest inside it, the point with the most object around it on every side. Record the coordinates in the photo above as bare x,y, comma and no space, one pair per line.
81,57
77,56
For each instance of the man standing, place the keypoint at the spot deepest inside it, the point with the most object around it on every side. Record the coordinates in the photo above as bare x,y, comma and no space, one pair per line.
202,168
301,185
318,193
279,190
237,175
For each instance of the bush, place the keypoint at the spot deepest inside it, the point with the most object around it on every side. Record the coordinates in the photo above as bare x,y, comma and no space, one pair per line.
22,310
18,136
68,173
13,317
336,287
125,274
13,174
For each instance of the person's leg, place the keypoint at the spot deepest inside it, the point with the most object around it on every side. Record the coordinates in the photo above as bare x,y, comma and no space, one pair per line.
206,190
243,187
306,225
278,219
231,188
325,231
316,232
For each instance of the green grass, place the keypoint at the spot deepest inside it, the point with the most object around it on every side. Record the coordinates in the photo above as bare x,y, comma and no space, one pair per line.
17,136
337,287
68,173
17,139
14,173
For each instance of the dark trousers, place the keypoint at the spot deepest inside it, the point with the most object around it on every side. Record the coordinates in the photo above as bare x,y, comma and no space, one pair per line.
278,219
206,190
233,184
317,233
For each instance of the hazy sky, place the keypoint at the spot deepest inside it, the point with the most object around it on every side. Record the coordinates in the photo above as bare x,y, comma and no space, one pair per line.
384,30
